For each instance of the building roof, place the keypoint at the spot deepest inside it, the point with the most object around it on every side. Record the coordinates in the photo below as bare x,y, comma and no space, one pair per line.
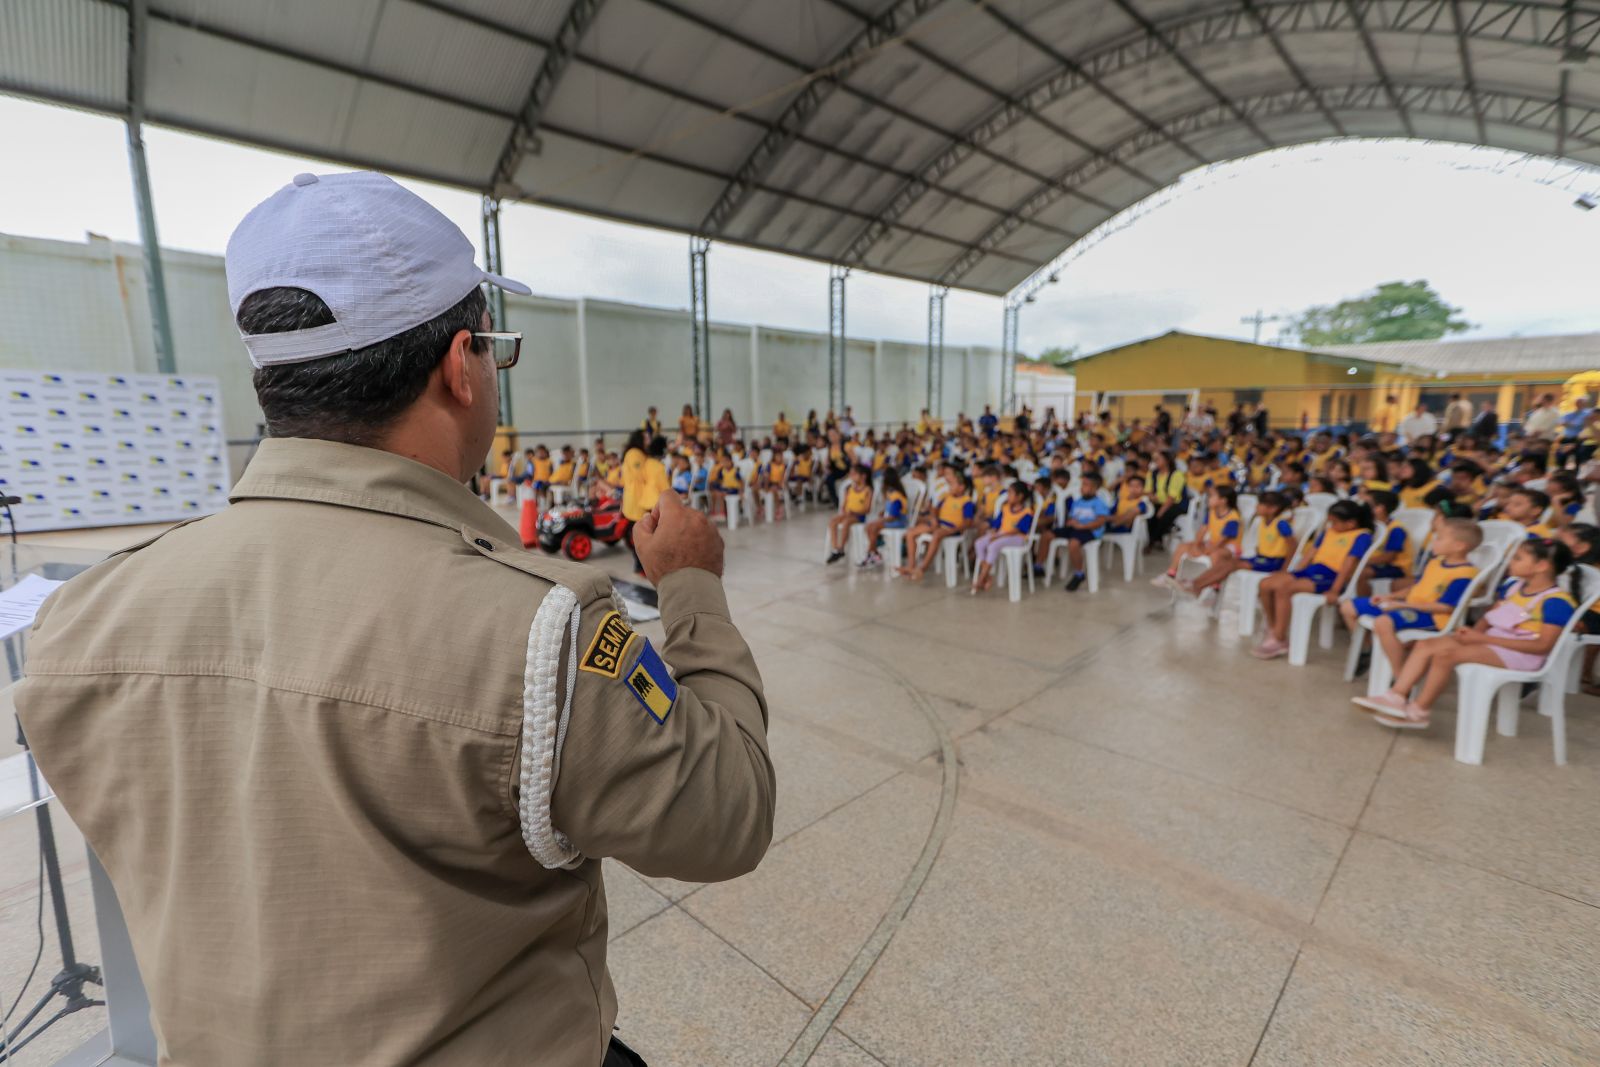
961,142
1563,353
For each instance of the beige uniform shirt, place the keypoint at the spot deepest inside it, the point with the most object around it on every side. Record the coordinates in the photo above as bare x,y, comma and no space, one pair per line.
351,756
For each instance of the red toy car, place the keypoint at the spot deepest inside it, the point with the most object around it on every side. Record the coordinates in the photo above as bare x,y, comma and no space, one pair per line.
573,529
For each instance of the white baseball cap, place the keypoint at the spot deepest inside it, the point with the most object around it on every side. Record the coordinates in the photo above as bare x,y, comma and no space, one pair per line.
383,259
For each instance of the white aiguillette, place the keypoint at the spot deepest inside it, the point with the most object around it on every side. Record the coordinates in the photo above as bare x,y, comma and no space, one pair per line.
20,603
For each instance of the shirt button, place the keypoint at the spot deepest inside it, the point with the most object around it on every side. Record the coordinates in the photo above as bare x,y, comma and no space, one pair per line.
481,543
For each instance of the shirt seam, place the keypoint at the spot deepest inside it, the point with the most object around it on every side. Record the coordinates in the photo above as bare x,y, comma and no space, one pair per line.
297,686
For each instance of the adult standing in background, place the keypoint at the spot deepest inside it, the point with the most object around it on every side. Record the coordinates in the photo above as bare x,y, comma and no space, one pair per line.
642,493
838,463
1163,424
988,422
727,429
1420,423
651,425
633,456
354,797
1486,427
1387,418
688,425
1457,414
847,424
1543,419
813,427
782,429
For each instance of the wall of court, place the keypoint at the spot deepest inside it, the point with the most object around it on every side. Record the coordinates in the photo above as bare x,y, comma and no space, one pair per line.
586,364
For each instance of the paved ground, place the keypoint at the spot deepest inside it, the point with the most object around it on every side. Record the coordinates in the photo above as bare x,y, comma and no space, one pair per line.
1091,830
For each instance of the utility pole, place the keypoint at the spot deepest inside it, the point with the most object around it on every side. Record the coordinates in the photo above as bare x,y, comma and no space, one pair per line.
1259,319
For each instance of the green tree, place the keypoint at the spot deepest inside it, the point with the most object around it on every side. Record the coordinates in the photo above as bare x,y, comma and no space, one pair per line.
1394,311
1058,355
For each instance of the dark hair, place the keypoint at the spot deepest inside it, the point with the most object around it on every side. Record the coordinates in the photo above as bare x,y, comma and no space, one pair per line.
1389,502
1445,503
355,396
1351,511
635,440
1273,499
1534,496
892,482
1092,476
1589,534
1466,467
1229,495
656,449
1422,474
1560,557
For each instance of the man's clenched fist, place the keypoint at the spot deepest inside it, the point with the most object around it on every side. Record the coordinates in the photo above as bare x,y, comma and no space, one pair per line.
672,537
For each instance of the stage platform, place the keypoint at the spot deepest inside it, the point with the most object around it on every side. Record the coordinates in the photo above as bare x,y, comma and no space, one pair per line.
1091,829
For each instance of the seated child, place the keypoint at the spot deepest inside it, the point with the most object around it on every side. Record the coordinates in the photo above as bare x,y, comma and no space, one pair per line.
1584,541
1396,557
1131,504
1337,552
1275,546
1060,481
1427,602
955,512
1008,529
682,476
1218,537
1517,633
857,502
1527,506
1083,519
562,475
896,512
774,478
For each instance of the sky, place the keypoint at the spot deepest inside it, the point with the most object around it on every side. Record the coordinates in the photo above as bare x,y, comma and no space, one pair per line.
1273,233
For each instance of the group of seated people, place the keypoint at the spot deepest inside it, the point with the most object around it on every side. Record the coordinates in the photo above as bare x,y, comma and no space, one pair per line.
1061,487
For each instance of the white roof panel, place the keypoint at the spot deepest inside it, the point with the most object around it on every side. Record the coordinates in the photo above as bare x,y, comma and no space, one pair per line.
937,138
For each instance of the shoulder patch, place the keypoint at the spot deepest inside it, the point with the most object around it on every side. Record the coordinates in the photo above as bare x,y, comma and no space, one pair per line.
651,685
606,649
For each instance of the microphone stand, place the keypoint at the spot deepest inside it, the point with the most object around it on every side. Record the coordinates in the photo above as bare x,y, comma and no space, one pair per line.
69,982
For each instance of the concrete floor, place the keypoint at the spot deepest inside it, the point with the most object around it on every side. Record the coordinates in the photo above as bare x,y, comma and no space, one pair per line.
1092,830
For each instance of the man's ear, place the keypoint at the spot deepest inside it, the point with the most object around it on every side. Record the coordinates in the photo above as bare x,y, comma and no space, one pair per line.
456,369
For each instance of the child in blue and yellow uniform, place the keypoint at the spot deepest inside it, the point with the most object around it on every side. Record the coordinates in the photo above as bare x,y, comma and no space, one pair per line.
1275,545
725,480
1219,537
1396,557
896,513
1337,552
1517,633
1527,506
1427,603
956,511
1008,529
857,502
773,477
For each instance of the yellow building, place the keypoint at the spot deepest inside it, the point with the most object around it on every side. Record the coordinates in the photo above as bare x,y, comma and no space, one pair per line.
1346,385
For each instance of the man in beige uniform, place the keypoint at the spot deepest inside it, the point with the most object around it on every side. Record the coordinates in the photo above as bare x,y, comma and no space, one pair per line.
349,754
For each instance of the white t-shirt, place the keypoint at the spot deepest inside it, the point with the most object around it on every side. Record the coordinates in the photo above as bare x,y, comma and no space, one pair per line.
1418,424
1542,422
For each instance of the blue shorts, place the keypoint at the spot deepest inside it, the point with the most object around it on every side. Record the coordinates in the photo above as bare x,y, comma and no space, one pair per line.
1387,570
1320,577
1119,529
730,492
894,524
1403,618
861,517
1083,537
1265,564
541,486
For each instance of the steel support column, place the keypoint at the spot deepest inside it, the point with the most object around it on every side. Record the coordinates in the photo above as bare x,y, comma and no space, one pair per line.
155,276
1008,357
700,326
936,295
836,338
493,262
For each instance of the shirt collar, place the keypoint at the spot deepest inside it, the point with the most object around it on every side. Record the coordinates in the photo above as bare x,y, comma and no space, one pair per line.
352,476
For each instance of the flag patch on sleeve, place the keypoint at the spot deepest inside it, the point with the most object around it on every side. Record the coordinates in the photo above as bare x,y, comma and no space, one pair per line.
651,685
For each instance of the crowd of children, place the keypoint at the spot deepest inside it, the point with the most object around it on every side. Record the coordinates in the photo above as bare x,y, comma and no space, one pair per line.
1063,487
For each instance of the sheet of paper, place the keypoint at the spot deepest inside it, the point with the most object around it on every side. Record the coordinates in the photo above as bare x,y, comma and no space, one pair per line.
20,603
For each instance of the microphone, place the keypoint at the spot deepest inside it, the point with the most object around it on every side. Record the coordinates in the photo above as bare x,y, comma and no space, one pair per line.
7,501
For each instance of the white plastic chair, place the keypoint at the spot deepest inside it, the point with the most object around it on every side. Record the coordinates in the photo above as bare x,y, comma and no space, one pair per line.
1018,561
1246,503
1131,544
499,487
1418,524
1306,608
953,556
1321,501
1504,536
1478,684
894,541
856,546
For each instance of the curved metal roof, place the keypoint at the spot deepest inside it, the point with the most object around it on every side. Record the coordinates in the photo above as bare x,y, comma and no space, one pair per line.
960,142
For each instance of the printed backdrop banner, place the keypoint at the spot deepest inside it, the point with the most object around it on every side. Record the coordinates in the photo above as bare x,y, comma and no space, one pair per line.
110,449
